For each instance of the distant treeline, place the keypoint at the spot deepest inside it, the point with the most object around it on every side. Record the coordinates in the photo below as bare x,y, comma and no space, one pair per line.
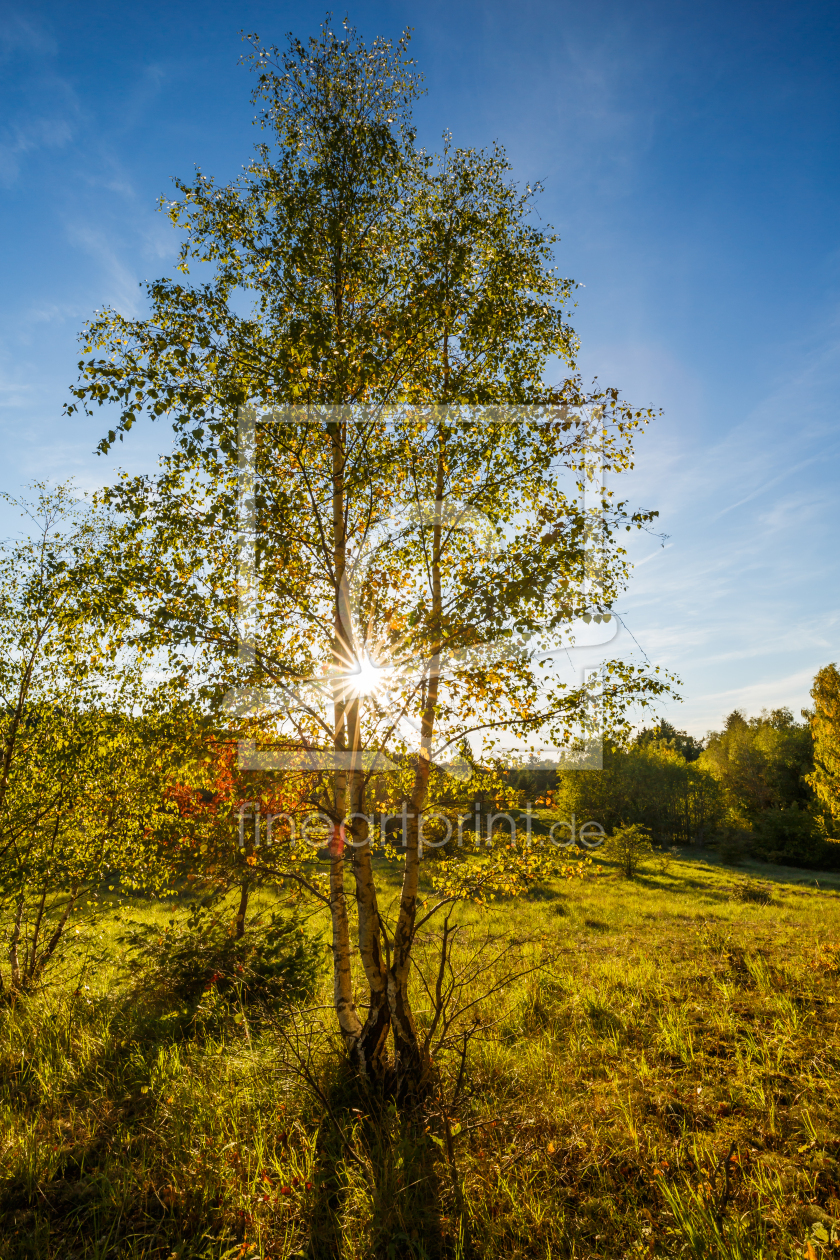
761,786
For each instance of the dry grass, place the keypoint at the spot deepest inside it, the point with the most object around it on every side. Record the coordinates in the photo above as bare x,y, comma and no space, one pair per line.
664,1084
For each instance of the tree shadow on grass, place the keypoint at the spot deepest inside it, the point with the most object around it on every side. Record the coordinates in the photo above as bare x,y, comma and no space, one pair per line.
374,1149
792,876
685,887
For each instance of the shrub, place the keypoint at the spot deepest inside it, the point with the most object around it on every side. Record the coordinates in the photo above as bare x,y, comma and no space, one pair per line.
751,891
664,858
630,847
272,965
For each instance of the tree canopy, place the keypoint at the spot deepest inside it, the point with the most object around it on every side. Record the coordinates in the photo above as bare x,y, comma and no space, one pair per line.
89,744
825,728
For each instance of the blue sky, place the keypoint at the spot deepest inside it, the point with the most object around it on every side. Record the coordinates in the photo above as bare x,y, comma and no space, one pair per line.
689,154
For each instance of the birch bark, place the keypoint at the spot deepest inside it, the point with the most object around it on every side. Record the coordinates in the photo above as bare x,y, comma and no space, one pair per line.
412,1057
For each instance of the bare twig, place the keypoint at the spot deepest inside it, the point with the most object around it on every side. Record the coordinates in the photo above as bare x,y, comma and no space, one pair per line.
725,1164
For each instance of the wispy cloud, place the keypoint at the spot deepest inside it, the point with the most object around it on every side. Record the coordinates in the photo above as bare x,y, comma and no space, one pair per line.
50,313
48,114
20,138
121,282
20,34
14,394
768,692
743,602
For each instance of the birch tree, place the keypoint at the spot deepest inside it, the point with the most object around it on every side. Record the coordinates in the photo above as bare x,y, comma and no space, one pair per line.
86,750
379,435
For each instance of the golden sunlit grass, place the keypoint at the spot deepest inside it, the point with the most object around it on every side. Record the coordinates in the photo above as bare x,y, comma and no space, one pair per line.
664,1084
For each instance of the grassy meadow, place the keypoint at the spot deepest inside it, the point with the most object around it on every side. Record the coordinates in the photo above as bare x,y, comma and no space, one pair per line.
656,1074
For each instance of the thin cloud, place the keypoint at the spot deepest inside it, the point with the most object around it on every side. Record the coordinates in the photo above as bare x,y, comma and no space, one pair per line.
768,485
122,284
18,34
21,138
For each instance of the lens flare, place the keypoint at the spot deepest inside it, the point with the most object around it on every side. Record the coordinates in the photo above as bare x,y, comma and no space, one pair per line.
367,678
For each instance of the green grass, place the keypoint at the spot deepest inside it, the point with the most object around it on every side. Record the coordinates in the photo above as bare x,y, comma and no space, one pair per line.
667,1026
